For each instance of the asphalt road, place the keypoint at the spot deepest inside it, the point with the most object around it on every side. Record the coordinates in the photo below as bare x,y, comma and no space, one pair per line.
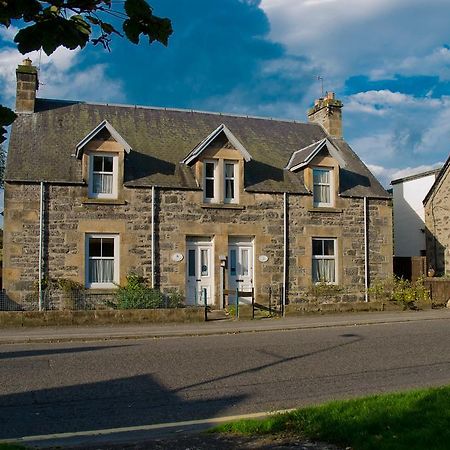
55,388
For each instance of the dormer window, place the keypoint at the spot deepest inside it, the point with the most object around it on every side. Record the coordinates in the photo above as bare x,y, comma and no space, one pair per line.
322,187
230,181
210,181
220,181
103,170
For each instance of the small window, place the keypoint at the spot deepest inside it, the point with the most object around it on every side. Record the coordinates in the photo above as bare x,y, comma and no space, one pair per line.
209,181
233,262
103,176
230,182
204,261
324,261
322,187
191,263
102,261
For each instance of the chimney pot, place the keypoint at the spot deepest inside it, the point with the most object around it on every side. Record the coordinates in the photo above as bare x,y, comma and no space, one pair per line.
327,112
27,85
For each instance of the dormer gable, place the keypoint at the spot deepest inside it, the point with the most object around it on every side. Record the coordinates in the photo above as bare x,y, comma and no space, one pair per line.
305,156
102,130
321,163
222,129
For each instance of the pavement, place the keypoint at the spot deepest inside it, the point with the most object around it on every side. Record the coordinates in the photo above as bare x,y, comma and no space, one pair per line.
216,327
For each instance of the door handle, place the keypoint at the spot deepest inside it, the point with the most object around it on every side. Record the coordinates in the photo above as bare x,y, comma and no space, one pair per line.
198,279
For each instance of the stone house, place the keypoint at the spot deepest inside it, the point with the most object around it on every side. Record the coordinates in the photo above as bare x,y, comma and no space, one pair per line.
409,213
409,223
437,222
190,200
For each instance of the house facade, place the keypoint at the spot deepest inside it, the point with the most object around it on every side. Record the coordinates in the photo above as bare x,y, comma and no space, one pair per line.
193,201
409,213
437,221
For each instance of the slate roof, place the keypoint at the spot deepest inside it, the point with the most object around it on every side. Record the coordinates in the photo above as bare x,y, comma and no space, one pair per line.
42,147
416,176
445,169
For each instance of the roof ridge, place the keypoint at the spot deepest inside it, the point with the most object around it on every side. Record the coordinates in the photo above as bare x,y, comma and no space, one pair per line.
162,108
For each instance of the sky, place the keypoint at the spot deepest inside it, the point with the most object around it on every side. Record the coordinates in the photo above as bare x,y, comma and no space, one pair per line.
387,60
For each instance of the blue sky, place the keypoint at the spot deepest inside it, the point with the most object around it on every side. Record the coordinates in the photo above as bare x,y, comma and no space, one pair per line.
387,60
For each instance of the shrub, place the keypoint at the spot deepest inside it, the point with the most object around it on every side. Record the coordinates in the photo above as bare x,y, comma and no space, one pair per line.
404,292
136,294
325,292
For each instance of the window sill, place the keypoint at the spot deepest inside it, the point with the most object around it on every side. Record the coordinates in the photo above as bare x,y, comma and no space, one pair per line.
325,209
103,201
221,206
102,290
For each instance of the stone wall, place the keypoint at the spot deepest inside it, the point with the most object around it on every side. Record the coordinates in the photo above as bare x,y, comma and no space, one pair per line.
69,215
437,222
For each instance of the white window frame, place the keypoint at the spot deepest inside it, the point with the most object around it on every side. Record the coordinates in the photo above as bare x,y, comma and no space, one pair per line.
214,199
91,192
115,282
235,179
319,204
327,257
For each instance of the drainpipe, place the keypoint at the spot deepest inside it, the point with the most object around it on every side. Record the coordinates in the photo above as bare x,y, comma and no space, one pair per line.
285,252
366,253
41,233
153,237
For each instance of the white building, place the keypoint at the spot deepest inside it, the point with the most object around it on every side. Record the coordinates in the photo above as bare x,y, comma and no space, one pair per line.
409,214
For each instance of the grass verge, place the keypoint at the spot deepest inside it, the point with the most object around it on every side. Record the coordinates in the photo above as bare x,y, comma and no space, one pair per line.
11,447
414,420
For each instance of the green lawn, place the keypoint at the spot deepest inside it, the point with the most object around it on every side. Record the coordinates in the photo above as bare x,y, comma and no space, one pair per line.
417,419
11,447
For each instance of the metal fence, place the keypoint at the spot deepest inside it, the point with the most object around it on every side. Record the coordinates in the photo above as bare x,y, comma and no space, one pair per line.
76,300
8,305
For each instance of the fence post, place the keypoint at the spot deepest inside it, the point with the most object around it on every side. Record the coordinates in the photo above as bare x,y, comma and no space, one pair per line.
205,294
270,300
253,303
237,303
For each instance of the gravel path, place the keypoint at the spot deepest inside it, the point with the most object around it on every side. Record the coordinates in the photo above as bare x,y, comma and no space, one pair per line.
219,442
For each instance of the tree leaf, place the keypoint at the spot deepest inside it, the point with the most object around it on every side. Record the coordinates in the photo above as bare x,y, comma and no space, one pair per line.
132,31
7,117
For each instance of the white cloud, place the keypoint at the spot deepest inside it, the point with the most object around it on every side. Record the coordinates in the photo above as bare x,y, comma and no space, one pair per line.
386,174
385,101
434,63
376,37
61,75
8,34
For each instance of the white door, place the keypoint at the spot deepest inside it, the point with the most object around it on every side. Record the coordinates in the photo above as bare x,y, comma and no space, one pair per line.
240,268
200,272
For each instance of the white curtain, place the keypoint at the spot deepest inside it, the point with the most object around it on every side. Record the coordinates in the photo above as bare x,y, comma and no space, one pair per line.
103,183
324,270
101,270
322,186
229,189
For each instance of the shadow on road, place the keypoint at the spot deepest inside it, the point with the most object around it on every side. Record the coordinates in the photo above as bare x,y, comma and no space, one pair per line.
279,360
56,351
125,402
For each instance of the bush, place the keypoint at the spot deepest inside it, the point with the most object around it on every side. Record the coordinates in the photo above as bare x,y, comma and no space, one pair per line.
405,293
325,292
136,294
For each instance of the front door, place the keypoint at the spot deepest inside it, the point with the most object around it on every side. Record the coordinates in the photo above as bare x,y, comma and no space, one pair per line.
200,272
240,267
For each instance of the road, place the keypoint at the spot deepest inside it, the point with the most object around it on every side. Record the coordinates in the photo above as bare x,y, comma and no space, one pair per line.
56,388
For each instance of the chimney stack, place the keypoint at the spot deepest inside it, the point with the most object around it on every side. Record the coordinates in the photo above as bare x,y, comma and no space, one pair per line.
27,85
327,112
